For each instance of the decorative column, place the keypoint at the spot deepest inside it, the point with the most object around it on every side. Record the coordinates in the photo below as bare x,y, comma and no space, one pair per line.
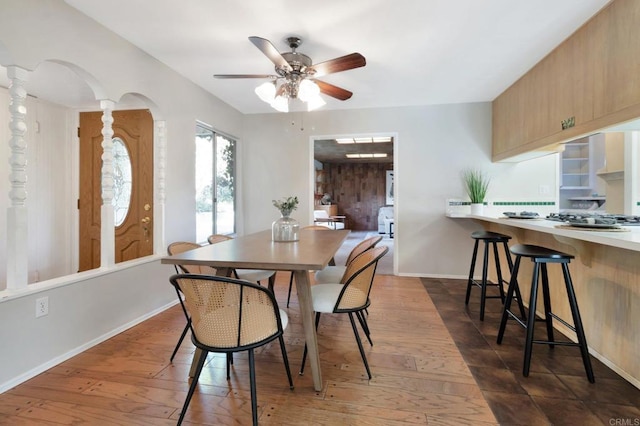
107,221
160,148
17,253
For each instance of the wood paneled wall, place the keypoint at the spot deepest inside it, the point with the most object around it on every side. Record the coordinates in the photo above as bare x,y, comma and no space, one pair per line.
359,191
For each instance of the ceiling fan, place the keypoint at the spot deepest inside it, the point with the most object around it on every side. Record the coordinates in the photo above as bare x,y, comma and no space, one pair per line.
296,75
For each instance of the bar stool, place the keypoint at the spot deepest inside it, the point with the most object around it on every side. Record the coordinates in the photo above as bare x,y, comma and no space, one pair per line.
492,238
540,256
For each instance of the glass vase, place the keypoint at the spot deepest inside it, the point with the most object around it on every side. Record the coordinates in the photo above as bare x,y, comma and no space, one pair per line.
285,229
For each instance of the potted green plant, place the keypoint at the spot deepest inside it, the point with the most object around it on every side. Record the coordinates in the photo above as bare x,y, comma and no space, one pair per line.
476,184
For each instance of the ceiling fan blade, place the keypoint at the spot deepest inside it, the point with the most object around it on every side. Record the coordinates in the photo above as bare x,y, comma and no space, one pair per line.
343,63
333,91
271,52
245,76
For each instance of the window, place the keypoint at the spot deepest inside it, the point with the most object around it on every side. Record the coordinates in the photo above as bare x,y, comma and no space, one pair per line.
215,183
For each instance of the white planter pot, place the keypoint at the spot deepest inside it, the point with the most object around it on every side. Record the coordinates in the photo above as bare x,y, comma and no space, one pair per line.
477,209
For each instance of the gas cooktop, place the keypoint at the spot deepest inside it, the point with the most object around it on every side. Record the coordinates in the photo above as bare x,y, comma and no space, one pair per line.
620,219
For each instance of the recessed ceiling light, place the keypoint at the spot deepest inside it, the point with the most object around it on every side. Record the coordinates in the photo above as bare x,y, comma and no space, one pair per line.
382,139
377,139
374,155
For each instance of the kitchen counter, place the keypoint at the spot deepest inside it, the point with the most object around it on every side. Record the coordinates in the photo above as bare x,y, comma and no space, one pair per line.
606,278
628,239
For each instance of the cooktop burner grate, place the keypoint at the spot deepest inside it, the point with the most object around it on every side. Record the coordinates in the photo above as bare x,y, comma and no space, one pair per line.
573,216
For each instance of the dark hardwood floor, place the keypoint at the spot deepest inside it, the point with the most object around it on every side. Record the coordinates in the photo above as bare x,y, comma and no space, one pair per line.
556,391
433,362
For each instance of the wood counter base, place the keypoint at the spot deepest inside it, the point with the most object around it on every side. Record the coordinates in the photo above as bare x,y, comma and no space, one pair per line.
607,284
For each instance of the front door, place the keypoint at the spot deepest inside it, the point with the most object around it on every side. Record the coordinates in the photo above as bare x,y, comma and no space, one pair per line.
133,181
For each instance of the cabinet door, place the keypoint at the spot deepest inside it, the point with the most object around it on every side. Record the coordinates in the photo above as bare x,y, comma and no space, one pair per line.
508,119
616,42
571,82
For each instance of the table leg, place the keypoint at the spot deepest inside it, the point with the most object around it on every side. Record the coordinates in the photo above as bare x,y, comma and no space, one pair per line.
303,286
225,272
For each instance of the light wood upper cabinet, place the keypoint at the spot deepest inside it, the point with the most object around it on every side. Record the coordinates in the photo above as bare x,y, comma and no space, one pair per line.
592,78
617,40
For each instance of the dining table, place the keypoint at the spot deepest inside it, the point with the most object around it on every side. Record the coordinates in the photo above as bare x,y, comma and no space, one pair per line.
313,251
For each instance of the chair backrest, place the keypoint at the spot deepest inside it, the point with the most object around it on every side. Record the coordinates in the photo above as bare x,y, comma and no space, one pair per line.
229,314
320,214
361,247
181,247
218,238
358,279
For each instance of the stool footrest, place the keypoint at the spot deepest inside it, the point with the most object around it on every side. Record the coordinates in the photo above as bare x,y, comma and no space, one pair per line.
566,324
518,320
547,342
489,283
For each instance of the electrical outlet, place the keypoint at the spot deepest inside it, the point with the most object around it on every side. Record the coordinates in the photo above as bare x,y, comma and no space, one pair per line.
544,190
42,306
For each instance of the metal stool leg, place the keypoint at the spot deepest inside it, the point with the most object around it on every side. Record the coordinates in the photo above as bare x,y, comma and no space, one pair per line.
532,320
548,317
507,254
577,321
471,271
513,285
498,270
485,267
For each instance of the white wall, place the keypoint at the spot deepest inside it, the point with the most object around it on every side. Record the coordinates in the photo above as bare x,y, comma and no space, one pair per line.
434,144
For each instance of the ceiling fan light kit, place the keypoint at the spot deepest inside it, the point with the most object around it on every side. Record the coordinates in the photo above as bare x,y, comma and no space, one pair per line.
296,76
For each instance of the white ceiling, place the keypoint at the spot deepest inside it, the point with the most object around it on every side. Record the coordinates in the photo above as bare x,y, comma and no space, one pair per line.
418,52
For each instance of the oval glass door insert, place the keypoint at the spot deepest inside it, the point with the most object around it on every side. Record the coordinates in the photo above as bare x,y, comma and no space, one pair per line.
122,181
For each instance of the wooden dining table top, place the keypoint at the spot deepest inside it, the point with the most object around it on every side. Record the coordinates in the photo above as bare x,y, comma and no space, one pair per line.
313,251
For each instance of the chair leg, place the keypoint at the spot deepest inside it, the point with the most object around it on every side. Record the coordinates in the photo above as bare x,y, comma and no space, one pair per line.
194,383
272,283
286,362
304,353
254,397
364,357
184,333
229,362
290,285
365,326
471,271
